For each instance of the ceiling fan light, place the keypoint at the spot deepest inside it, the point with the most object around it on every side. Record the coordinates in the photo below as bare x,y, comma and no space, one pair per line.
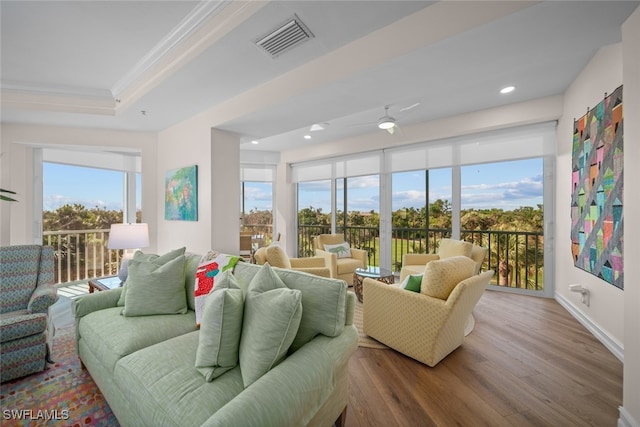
386,123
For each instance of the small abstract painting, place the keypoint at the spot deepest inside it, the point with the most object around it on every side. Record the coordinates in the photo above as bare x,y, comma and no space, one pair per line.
181,194
597,191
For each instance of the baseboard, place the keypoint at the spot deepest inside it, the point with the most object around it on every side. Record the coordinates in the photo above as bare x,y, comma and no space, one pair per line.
612,345
626,420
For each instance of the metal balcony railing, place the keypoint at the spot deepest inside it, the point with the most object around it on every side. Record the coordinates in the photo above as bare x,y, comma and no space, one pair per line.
517,257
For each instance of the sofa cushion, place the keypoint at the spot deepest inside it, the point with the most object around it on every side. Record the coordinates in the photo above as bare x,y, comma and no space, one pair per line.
441,276
155,289
167,389
450,247
342,250
323,301
220,328
276,257
113,336
272,316
140,256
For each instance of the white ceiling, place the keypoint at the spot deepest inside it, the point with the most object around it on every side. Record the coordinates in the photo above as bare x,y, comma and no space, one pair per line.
102,63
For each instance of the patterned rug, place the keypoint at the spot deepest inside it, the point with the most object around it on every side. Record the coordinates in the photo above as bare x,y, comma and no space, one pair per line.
63,394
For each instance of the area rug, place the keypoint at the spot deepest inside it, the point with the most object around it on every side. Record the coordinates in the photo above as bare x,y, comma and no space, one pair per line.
364,340
63,394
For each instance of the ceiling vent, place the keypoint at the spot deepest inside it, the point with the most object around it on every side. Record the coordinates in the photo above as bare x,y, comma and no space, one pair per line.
282,38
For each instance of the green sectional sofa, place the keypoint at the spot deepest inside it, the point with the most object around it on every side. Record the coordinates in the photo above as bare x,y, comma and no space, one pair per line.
145,365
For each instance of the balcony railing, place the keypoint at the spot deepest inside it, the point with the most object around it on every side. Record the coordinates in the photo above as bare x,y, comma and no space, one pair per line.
517,257
82,254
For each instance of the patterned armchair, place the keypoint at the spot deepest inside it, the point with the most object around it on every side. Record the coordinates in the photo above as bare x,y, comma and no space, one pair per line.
429,324
26,293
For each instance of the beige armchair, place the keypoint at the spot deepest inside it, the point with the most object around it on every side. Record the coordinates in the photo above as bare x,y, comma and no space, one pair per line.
416,263
276,257
342,265
423,327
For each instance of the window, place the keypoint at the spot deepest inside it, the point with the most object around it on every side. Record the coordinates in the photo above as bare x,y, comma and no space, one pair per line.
314,214
79,206
502,210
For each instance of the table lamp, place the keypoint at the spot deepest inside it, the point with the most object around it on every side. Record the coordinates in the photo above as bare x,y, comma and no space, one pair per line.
128,237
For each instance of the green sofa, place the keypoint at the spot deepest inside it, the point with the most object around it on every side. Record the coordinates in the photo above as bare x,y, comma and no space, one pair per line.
145,366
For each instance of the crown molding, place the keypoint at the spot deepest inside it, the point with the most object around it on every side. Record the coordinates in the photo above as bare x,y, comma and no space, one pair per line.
180,33
200,32
89,102
207,23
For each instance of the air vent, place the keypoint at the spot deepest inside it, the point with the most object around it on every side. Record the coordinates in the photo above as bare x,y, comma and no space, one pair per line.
284,37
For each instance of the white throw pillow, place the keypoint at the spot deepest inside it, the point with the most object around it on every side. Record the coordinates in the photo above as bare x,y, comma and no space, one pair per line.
342,250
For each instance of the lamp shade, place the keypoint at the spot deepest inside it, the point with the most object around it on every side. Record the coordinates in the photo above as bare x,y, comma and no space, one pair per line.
128,236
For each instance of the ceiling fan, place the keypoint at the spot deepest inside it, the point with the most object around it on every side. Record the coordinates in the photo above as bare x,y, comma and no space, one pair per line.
388,122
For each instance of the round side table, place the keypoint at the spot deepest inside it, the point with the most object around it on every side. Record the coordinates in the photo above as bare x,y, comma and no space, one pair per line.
377,273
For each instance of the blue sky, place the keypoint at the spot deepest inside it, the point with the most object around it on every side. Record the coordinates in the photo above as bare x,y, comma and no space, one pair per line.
87,186
505,185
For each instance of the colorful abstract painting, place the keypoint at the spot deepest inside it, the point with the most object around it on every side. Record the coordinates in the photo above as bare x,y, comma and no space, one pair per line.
597,191
181,194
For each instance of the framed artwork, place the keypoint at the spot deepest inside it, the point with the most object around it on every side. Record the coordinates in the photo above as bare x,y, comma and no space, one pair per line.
181,194
597,223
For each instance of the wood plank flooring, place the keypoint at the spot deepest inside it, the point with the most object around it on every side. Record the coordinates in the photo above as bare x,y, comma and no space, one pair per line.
528,362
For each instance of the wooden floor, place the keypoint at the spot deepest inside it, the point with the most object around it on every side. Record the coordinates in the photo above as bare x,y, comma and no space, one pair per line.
528,362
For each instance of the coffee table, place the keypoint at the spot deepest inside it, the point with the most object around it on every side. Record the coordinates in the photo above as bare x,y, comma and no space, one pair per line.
104,283
377,273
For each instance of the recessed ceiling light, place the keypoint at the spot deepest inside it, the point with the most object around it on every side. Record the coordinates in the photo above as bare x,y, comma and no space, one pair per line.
254,142
307,137
507,89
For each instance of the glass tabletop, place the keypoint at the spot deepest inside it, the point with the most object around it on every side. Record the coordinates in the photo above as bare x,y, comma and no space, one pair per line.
373,272
110,282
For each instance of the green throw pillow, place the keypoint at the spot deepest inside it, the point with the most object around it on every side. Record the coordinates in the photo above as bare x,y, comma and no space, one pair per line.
220,328
156,259
272,314
155,289
414,282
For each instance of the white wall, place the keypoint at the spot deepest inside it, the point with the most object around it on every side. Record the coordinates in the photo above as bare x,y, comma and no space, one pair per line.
630,412
216,154
17,219
605,314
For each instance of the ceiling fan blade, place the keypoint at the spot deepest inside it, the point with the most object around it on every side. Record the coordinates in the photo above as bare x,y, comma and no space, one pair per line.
392,130
409,107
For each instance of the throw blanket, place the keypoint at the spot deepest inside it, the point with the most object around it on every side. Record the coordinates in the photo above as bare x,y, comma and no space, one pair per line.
212,263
